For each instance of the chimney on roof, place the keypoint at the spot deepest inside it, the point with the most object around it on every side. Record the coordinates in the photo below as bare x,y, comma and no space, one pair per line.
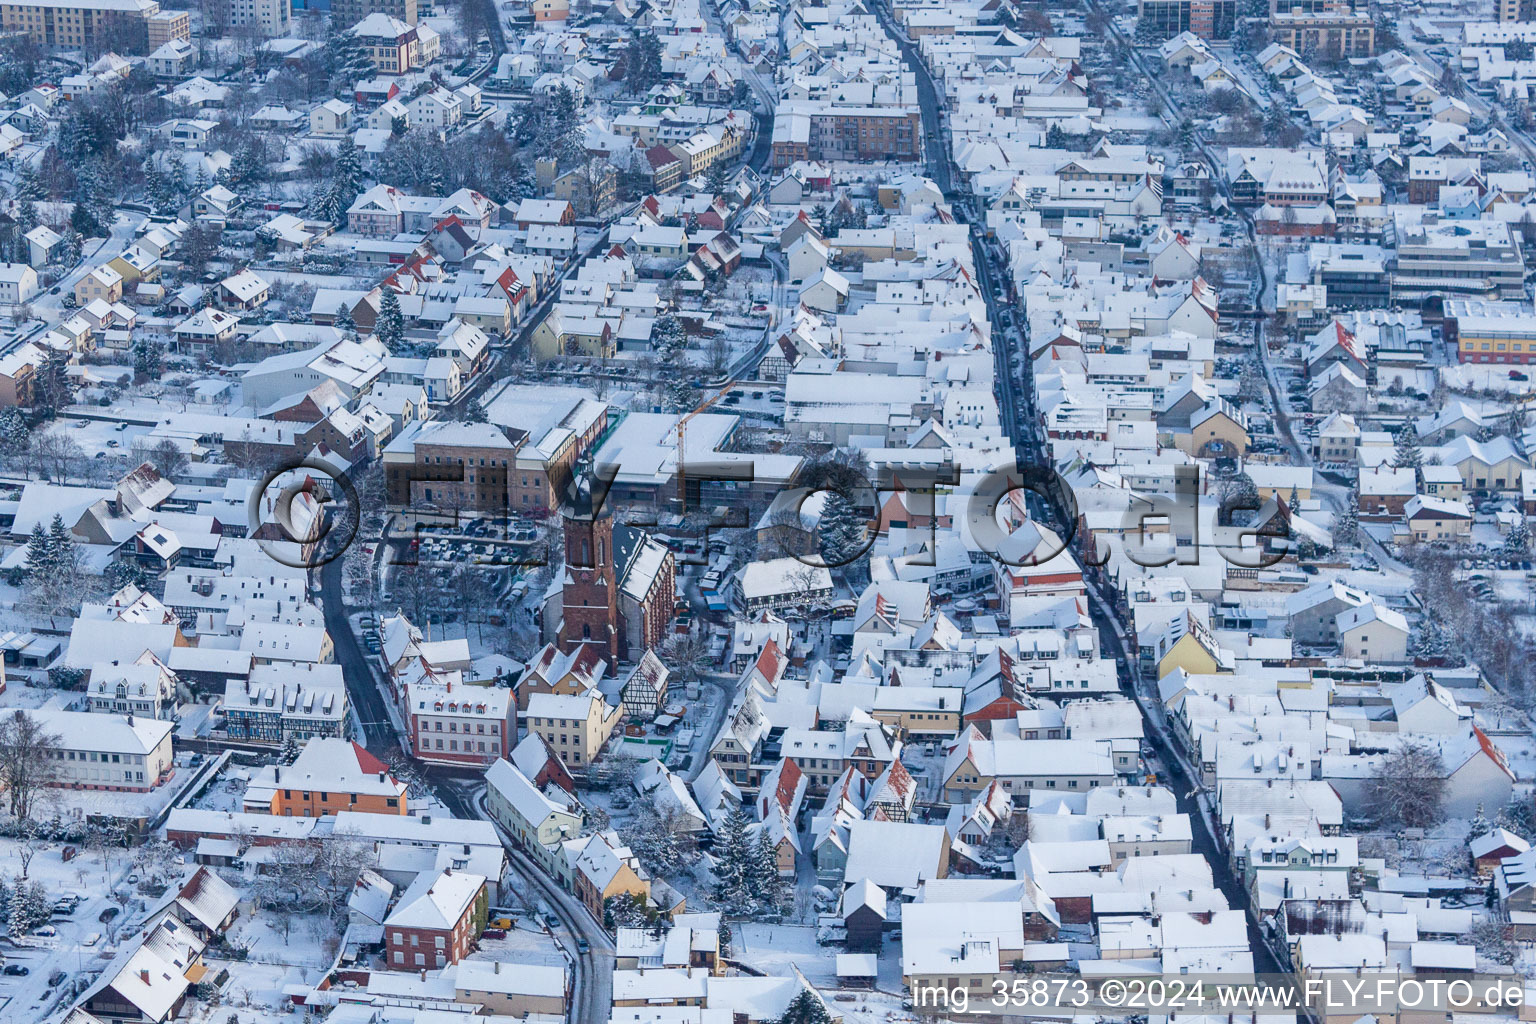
144,976
496,969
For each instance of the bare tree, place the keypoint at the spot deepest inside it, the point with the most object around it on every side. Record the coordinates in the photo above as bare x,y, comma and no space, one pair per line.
29,762
686,655
717,356
169,460
54,454
1408,788
785,535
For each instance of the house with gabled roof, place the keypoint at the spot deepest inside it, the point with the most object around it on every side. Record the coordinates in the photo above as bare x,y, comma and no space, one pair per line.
206,904
436,921
778,810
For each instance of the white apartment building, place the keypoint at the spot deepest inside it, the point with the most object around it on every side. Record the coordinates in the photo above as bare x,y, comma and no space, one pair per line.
101,751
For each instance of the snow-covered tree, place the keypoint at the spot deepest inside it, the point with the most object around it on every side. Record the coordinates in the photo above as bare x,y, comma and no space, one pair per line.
1251,387
840,530
148,358
14,432
16,918
1407,788
668,337
1517,543
1479,826
767,885
1494,941
806,1008
1347,529
661,837
733,866
1407,454
624,911
39,554
1429,641
63,553
390,326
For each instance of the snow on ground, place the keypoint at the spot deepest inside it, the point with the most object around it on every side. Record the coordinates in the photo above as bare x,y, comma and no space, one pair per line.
278,939
92,875
775,948
528,942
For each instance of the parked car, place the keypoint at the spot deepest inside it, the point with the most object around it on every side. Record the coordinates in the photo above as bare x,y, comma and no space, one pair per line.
17,970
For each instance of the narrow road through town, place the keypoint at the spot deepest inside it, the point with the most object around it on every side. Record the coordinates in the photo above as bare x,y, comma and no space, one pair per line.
1015,387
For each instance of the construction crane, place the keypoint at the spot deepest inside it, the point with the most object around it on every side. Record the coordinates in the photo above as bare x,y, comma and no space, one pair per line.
682,428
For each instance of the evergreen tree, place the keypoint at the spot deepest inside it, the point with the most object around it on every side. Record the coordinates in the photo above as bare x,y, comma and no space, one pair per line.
148,358
39,554
724,934
16,918
806,1008
14,432
348,174
37,904
1347,529
767,885
733,866
121,574
67,252
1429,640
63,555
474,412
29,187
1293,501
55,387
840,530
1517,543
344,322
718,179
1407,454
1480,825
390,326
668,338
680,394
642,62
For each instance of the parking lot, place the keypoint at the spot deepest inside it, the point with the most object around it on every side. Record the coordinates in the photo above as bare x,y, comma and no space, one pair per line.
479,542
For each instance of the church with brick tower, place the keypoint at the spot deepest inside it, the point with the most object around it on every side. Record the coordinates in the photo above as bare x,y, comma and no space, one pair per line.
617,589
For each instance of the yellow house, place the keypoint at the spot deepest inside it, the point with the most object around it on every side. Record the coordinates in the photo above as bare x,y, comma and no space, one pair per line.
1431,519
565,334
576,726
1212,432
102,283
1196,652
135,265
601,868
